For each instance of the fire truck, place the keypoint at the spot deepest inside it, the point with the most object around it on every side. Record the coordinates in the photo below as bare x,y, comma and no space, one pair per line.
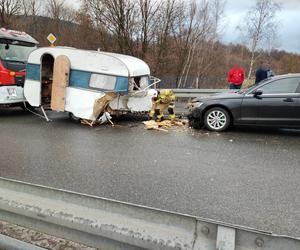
15,47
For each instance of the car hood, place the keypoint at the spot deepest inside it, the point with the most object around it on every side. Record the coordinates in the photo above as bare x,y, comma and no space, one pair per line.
227,95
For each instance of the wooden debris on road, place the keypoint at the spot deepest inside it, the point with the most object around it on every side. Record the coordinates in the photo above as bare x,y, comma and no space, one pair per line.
101,104
164,125
97,122
87,122
100,107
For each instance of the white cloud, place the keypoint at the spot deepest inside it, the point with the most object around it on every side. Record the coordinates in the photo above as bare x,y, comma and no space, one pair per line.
288,30
74,3
288,18
289,4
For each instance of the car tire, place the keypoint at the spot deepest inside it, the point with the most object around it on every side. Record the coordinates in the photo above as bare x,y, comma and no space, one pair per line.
217,119
196,124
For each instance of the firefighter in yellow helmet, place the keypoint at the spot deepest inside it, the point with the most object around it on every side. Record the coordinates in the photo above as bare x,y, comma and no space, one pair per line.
162,100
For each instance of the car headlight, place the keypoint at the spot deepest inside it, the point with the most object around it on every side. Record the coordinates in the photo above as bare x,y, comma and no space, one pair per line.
197,104
190,106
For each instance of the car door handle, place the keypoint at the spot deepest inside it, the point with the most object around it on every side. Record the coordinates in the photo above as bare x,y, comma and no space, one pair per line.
288,99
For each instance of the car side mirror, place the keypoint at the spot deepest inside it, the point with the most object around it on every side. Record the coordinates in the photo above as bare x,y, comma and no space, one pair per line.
257,93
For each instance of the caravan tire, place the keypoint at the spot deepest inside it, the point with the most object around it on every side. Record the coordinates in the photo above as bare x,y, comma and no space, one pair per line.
27,108
73,117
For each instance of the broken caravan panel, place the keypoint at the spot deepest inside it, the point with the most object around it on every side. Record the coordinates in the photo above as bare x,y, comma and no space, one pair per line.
75,79
15,47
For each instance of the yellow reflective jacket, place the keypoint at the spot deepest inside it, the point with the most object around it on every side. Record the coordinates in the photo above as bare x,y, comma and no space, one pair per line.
166,96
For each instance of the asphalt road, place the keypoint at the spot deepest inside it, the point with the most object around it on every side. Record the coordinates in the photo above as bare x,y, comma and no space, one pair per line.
244,177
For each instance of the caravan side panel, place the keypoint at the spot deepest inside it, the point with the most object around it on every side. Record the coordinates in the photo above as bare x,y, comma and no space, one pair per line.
81,102
32,86
32,92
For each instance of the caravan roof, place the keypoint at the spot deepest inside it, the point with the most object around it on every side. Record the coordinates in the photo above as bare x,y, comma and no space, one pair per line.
95,61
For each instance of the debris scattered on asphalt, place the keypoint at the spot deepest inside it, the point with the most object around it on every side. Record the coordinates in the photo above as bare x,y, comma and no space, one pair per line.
87,122
106,117
164,125
100,105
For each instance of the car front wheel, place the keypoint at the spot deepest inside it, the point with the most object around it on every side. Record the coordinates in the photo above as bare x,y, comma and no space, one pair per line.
216,119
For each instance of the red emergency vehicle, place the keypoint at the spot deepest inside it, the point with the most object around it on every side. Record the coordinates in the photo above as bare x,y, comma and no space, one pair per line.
15,47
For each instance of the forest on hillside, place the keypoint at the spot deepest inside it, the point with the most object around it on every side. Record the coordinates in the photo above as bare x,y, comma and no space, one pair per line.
180,40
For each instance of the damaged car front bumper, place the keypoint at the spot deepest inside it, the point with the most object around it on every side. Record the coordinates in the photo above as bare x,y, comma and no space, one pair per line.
195,115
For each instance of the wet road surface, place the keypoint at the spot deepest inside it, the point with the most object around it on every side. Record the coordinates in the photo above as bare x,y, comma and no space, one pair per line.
243,177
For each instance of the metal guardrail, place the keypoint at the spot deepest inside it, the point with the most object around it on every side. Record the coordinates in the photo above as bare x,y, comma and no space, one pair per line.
109,224
190,93
9,243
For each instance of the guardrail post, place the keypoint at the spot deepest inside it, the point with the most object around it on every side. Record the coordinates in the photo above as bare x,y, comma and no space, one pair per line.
225,238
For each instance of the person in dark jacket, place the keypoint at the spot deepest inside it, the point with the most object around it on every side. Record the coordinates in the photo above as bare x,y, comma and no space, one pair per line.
261,73
270,72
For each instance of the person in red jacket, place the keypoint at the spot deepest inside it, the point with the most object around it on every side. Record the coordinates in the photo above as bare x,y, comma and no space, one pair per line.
236,76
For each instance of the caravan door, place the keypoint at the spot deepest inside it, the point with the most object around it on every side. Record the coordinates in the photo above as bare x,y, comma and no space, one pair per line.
61,73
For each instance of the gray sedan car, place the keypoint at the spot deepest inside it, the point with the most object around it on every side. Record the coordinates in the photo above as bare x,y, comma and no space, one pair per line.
273,102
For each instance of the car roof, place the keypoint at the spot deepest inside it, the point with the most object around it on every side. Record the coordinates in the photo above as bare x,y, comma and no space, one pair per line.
286,75
15,35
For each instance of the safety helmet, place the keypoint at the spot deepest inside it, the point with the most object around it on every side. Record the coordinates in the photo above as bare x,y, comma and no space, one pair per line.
152,93
166,92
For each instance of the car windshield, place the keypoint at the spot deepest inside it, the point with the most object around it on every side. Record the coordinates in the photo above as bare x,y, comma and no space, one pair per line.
11,52
252,87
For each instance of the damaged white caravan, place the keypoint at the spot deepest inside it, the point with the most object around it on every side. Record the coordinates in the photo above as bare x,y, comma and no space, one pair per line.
87,83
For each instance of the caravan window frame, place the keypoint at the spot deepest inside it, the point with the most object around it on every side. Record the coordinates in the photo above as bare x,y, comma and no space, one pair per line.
132,85
99,81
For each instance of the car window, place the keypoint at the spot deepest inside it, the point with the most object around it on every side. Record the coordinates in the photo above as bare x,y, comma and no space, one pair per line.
287,85
15,52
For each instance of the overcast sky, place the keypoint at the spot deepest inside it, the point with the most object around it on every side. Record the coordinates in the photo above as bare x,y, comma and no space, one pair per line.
288,17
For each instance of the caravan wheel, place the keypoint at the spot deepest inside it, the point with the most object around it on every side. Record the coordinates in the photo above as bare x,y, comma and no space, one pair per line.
27,108
73,117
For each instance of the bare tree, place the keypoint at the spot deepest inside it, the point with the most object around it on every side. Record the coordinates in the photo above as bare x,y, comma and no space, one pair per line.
190,37
148,10
60,10
95,9
118,17
31,7
8,8
201,33
217,14
208,53
55,9
166,17
260,26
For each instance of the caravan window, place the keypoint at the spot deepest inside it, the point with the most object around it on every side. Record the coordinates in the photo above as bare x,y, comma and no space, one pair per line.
144,82
103,81
138,83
